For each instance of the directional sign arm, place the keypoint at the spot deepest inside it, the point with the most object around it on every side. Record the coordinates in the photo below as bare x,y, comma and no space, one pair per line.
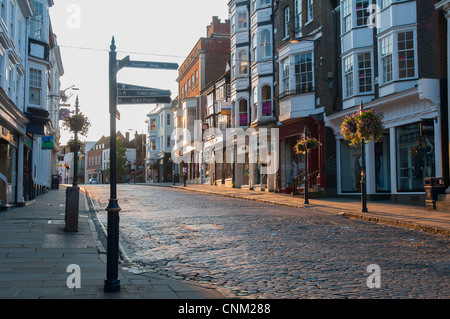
126,63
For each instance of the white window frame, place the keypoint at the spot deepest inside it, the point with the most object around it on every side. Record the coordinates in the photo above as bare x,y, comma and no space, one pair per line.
285,75
364,69
36,83
266,44
242,22
300,73
243,63
346,23
395,75
254,48
310,10
38,21
348,75
298,21
360,22
286,14
406,50
386,58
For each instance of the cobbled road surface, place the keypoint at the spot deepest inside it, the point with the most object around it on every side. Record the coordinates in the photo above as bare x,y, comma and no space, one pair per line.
259,250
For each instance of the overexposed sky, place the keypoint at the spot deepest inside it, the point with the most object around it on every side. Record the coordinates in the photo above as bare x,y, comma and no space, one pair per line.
146,30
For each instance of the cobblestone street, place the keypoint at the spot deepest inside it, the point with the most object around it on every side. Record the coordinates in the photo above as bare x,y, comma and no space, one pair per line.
257,250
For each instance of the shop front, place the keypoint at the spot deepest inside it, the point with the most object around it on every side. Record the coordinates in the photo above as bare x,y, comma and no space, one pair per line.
292,165
409,151
8,168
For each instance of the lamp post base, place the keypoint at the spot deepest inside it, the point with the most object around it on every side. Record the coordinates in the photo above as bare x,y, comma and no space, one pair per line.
112,285
112,282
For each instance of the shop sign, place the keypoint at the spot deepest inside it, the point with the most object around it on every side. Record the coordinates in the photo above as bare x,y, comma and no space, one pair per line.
47,142
427,127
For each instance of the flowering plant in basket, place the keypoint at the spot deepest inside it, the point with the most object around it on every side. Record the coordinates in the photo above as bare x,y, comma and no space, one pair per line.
306,144
362,125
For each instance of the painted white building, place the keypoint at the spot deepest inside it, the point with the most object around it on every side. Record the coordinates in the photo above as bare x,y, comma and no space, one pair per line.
159,145
42,95
251,80
14,144
385,68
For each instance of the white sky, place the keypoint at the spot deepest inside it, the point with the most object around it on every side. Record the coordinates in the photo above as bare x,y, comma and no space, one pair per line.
146,30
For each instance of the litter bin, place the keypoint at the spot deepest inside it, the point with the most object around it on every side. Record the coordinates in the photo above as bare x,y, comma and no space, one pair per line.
433,187
72,206
55,182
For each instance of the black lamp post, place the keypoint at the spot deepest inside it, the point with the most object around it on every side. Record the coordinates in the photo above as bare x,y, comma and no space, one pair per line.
75,156
306,169
363,171
112,282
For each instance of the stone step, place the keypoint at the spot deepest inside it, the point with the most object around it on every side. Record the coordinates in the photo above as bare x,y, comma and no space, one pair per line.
443,206
444,197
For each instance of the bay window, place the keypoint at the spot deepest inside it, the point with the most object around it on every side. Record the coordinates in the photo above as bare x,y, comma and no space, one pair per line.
348,75
303,72
266,103
266,47
386,59
365,72
243,112
285,75
362,14
406,58
398,56
242,20
243,63
346,6
35,87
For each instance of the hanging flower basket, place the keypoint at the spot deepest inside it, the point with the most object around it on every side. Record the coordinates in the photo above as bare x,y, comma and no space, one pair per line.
77,124
306,144
71,144
363,125
66,166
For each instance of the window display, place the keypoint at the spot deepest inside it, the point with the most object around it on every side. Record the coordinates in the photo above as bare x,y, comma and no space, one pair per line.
415,158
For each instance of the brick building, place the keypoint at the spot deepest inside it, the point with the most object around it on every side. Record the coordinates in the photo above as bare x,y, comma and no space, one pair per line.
94,159
307,77
205,63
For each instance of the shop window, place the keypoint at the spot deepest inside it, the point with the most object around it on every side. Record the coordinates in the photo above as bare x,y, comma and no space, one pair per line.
383,164
266,103
415,158
351,165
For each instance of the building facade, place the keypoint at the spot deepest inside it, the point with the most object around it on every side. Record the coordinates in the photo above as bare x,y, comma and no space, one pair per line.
391,64
307,88
444,7
205,63
158,159
252,87
15,143
95,159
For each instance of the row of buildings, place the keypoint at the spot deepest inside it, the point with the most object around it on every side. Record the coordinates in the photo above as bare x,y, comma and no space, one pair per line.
278,68
30,95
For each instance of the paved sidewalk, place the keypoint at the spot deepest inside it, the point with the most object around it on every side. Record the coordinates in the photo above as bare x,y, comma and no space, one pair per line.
408,216
35,253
